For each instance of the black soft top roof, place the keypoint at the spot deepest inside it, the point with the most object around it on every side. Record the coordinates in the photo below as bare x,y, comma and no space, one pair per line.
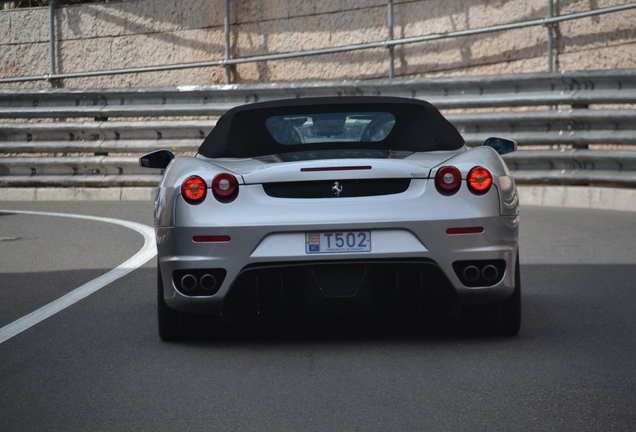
241,132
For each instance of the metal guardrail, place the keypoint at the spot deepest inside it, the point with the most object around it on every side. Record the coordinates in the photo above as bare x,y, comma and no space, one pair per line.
573,167
578,89
577,128
104,137
491,105
569,167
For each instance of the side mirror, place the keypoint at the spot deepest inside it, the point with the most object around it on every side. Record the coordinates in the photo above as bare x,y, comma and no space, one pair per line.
157,159
501,145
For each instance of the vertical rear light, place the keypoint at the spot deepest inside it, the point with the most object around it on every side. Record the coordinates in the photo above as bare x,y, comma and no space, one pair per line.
225,187
479,180
448,180
194,190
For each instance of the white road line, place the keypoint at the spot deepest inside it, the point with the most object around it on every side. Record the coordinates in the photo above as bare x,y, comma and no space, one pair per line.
140,258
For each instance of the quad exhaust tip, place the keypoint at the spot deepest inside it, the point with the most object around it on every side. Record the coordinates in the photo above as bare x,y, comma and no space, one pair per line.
208,282
471,273
490,273
188,282
479,272
198,282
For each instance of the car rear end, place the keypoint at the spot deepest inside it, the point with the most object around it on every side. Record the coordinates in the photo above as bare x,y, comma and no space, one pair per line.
399,239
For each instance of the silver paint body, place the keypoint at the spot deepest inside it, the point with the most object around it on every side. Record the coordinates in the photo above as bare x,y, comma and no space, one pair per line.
264,229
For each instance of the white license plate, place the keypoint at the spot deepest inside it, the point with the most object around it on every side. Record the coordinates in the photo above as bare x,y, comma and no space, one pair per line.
338,242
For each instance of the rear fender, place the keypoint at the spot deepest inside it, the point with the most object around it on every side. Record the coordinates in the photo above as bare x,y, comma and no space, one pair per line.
488,158
170,187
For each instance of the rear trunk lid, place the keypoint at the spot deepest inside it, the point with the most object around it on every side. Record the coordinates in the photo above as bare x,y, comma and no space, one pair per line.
273,169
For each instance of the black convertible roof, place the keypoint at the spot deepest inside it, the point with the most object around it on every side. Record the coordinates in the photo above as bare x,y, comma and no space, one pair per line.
241,132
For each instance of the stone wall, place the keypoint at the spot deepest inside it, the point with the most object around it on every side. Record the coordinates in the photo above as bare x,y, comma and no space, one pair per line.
137,33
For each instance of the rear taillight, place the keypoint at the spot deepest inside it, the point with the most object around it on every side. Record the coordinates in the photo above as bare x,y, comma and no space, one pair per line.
194,190
479,180
448,180
225,187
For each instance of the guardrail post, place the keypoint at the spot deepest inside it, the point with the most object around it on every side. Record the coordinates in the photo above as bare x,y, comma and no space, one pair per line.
52,38
391,48
550,37
226,23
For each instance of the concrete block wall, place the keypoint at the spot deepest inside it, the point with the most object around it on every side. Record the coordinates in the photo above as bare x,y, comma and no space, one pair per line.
137,33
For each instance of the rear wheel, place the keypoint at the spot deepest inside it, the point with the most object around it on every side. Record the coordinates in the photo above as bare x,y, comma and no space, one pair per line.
502,318
173,324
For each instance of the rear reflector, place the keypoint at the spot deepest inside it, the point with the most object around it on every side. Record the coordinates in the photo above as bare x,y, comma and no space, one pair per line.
348,168
211,239
471,230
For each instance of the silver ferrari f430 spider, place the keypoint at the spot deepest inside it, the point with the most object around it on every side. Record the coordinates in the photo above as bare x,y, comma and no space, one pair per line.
337,206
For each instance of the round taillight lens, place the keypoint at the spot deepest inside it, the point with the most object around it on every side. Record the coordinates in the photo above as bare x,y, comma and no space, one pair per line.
448,180
479,180
194,190
225,187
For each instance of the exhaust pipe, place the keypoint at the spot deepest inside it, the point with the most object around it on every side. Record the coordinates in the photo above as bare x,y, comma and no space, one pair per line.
188,282
490,273
471,273
208,282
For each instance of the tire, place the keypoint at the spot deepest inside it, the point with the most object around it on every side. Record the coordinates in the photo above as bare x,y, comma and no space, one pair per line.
173,325
502,318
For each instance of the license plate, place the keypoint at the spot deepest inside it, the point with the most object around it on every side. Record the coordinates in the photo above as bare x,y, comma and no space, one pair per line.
338,242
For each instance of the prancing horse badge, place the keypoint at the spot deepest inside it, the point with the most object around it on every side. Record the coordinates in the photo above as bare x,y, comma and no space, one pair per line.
337,189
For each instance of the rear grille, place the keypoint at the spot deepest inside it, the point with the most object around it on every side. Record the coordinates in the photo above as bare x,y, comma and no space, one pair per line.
329,188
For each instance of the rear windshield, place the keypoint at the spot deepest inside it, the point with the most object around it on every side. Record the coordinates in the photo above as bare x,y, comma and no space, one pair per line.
330,127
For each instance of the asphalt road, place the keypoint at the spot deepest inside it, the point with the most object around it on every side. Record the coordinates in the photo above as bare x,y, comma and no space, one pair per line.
99,365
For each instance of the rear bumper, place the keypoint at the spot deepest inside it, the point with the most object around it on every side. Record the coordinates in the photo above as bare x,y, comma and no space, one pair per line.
412,287
409,235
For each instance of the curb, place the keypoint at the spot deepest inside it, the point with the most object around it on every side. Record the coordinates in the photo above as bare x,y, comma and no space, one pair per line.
602,198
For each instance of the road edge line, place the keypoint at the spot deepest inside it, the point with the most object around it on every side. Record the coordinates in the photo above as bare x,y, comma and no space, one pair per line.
146,253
